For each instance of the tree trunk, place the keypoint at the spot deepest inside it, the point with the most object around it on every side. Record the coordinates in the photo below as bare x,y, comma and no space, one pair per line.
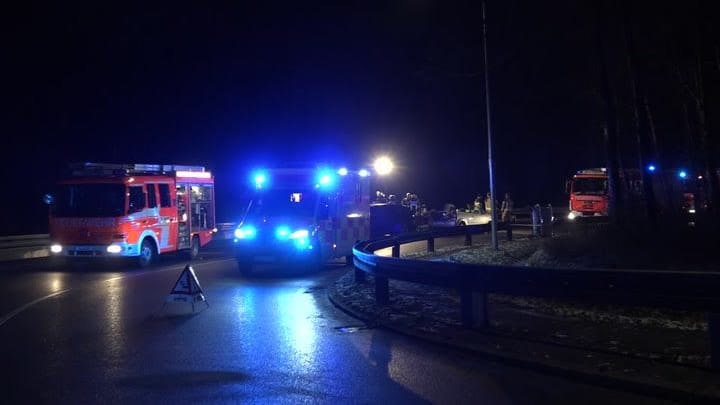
641,121
616,211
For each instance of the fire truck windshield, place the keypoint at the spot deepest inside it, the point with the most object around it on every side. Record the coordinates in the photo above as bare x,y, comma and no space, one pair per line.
89,200
585,185
287,203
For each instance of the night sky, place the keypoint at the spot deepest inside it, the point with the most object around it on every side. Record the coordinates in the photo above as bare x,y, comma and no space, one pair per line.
237,86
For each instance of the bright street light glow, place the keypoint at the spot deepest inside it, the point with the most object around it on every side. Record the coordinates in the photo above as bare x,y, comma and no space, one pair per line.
682,174
343,171
383,165
363,173
651,168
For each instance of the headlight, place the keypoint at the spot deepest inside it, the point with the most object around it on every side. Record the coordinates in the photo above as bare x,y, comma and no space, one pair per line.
56,248
245,232
299,234
114,249
571,216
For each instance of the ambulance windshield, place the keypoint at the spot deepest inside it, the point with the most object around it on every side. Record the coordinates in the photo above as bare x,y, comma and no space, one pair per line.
286,203
89,200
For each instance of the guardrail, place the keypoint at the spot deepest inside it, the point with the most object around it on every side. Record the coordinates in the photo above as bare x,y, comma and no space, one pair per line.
697,291
20,247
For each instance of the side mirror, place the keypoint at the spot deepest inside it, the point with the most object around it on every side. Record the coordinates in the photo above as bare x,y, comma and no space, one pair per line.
48,199
568,185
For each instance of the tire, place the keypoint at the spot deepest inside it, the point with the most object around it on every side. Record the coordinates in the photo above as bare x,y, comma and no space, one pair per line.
462,223
194,250
148,253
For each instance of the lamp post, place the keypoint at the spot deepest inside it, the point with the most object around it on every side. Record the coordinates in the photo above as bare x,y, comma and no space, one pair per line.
493,222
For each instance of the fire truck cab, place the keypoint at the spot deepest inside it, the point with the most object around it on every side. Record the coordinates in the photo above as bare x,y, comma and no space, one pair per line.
303,216
588,190
132,210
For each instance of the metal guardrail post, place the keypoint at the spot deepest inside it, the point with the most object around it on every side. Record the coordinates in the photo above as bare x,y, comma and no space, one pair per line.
473,309
431,244
396,250
468,239
359,276
508,231
382,290
714,335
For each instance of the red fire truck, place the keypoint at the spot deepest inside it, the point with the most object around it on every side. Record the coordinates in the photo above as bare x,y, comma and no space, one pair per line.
588,193
132,210
588,190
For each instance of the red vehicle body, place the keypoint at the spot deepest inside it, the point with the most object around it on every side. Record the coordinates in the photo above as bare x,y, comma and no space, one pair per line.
135,210
588,189
588,193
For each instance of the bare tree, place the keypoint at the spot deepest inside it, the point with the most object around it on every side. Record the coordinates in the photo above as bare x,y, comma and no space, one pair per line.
641,118
615,209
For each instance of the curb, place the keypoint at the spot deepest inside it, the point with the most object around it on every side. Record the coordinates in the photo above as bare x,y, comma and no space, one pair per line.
576,374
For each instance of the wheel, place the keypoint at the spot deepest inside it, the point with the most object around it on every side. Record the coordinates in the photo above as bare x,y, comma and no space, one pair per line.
194,248
462,223
147,253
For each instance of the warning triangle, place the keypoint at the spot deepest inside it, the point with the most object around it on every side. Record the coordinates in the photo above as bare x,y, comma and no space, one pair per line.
186,294
187,283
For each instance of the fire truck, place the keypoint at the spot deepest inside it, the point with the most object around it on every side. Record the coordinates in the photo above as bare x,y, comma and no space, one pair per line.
303,215
132,210
588,189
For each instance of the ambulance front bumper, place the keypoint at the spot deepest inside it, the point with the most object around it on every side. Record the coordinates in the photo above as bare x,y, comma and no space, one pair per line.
272,253
115,249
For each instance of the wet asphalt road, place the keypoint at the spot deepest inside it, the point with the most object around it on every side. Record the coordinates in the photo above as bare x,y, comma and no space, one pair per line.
89,334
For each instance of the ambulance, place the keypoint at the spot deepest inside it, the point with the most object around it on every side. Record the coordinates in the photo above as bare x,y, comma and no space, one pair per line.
135,211
303,216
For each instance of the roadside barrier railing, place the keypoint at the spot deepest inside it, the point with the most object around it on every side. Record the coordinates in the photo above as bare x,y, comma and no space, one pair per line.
676,290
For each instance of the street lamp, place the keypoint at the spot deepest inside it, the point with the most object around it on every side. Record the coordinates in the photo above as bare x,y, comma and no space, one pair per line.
383,165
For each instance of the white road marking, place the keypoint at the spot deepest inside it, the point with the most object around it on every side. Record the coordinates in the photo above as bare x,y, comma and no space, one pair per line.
16,311
22,308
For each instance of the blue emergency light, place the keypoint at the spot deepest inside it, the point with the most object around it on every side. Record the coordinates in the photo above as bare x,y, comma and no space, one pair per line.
325,179
651,168
246,232
260,179
682,174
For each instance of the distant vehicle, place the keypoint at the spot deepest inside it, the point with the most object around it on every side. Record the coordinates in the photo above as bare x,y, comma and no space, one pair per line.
132,210
442,219
674,191
469,217
588,190
303,215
